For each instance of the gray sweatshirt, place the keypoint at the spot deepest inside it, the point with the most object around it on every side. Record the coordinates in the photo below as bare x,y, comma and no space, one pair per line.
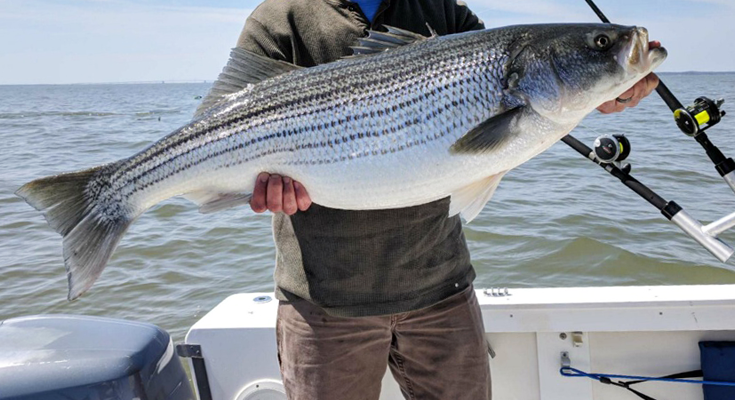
361,263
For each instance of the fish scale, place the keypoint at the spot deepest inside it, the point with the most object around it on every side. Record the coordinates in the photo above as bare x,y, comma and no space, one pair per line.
419,120
383,117
348,79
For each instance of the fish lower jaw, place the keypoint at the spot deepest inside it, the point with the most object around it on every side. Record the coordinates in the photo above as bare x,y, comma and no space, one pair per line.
656,57
643,65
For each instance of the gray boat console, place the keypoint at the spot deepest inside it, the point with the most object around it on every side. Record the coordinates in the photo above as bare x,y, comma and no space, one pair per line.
52,357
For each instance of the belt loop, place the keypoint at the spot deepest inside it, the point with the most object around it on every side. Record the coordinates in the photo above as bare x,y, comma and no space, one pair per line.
490,350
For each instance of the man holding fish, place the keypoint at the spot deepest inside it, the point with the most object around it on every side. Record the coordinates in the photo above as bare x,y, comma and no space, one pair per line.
392,144
337,332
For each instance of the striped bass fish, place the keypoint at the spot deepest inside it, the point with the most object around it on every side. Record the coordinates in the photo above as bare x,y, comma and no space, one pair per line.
407,120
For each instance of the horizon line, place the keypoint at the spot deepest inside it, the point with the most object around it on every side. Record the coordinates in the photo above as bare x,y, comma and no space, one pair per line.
179,81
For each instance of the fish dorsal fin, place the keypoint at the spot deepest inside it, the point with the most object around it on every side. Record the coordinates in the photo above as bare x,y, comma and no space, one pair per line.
211,201
489,134
378,42
470,199
244,68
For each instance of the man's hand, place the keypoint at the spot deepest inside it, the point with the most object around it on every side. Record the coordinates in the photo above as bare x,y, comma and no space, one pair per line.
634,95
278,194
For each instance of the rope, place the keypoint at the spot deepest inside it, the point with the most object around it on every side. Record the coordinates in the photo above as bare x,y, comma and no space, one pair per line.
608,379
577,373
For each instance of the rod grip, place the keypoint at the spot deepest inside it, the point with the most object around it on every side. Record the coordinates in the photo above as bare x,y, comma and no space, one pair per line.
668,97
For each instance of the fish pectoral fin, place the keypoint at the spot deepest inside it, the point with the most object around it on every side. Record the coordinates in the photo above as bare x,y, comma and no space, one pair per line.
378,42
211,202
470,199
244,69
489,134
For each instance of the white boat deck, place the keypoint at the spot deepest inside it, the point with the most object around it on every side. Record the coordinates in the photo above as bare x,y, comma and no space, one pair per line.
647,330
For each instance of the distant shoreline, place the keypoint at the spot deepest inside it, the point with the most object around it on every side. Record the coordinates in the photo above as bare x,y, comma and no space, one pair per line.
162,82
198,81
697,73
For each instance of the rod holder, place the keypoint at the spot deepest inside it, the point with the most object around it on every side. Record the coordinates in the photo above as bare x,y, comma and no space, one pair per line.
730,179
721,225
703,235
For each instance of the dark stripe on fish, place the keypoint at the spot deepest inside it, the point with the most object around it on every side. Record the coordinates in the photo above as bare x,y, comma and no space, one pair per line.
425,58
387,111
314,145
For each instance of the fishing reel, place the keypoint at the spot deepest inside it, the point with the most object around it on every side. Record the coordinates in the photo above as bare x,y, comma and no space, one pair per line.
701,115
693,121
613,150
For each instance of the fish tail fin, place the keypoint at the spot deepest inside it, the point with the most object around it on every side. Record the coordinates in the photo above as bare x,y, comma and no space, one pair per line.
90,231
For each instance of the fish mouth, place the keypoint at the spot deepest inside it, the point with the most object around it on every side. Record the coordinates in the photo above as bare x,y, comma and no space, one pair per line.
637,57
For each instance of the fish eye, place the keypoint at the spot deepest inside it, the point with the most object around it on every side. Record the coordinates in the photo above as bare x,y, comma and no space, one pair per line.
602,41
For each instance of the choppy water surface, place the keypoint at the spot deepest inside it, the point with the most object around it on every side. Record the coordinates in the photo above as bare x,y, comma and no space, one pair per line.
557,220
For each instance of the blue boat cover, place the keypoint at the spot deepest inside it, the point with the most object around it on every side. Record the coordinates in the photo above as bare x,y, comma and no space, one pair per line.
54,357
718,364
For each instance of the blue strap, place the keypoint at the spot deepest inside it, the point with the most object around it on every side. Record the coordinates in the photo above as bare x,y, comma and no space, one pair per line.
573,372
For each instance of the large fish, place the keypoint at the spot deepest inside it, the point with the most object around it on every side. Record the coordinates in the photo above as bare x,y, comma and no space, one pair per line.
407,120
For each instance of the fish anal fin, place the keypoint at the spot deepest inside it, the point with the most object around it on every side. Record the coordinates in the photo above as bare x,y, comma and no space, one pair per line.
469,200
489,134
243,69
211,202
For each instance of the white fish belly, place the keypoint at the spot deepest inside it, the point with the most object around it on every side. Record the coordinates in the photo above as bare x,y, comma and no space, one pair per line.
414,175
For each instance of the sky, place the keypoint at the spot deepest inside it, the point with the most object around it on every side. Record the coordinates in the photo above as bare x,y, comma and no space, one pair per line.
90,41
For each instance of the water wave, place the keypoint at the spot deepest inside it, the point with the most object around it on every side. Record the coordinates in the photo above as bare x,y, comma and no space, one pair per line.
557,220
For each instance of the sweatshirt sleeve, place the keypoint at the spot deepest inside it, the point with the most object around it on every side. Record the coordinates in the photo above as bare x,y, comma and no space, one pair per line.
258,38
464,19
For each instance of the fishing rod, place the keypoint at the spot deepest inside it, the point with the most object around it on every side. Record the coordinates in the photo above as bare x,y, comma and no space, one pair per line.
611,151
693,120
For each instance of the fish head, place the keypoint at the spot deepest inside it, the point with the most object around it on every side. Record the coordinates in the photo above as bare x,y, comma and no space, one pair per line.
565,71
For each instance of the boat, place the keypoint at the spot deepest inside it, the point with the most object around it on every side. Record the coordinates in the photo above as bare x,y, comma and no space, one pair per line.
534,334
544,343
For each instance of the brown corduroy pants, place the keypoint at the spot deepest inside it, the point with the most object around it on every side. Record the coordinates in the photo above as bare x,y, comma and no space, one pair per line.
438,352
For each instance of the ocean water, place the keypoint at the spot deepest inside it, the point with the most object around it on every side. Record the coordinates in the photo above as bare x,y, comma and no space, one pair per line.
558,220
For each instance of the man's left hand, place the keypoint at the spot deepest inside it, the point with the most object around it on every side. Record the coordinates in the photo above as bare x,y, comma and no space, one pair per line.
634,95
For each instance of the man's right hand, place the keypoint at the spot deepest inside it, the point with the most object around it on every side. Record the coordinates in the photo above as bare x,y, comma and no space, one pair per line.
279,194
